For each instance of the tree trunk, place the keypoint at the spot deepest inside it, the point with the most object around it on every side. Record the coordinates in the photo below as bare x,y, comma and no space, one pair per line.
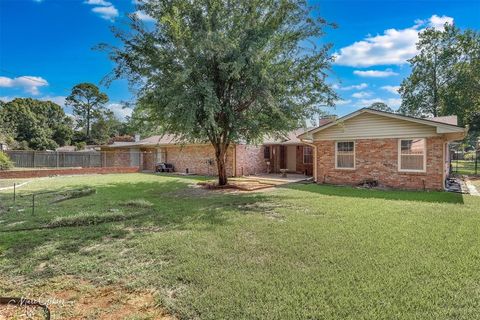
88,123
220,155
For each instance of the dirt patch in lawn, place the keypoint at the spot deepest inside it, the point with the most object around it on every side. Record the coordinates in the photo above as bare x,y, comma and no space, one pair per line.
237,185
73,298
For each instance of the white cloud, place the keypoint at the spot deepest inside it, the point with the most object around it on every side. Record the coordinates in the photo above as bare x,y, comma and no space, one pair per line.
361,94
392,102
104,9
29,83
143,16
98,3
60,100
394,46
391,89
375,73
439,22
119,110
107,13
355,87
343,102
6,98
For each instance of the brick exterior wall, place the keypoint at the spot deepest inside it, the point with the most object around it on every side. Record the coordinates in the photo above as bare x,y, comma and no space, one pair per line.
21,174
378,159
249,160
149,159
303,167
117,158
198,159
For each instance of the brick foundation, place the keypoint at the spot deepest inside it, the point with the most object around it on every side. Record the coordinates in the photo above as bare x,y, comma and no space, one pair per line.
21,174
378,159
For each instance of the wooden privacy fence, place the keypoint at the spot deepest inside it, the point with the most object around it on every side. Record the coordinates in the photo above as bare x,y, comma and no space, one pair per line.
72,159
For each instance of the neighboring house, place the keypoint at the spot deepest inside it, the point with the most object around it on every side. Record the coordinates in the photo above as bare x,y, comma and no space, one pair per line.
367,145
394,150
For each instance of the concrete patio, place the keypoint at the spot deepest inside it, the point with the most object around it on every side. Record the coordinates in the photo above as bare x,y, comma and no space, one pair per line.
277,179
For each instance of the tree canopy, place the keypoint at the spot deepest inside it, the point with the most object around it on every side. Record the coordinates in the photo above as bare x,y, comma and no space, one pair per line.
381,106
445,77
226,71
35,124
87,102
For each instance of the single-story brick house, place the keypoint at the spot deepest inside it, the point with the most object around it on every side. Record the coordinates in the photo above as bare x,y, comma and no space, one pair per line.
242,159
394,150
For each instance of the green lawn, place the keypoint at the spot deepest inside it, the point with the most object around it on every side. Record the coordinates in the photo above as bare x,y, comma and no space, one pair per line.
466,167
298,252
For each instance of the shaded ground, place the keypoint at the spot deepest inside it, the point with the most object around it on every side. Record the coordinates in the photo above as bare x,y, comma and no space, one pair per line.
295,252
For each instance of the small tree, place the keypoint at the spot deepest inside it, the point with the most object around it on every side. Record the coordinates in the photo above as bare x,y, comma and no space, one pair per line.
88,103
5,162
226,71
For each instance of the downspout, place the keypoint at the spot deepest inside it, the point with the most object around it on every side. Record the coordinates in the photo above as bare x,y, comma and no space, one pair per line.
314,148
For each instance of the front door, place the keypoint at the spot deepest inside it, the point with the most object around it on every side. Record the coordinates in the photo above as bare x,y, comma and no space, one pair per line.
292,158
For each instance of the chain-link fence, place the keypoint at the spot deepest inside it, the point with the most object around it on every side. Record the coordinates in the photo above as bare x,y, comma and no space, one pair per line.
464,162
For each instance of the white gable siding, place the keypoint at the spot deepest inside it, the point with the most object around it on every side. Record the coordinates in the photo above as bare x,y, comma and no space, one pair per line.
367,125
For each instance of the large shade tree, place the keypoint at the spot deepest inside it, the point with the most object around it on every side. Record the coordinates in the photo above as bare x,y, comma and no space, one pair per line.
226,71
445,76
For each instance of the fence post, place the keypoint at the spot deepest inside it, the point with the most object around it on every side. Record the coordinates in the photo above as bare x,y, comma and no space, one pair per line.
33,158
57,158
476,161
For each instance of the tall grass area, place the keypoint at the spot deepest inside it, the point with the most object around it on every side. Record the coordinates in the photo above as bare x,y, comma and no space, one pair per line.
296,252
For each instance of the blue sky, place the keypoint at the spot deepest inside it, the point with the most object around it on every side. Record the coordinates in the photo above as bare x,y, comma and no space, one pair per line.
46,45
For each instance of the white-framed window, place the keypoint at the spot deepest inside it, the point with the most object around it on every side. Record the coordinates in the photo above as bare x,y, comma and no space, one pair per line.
412,155
307,155
345,155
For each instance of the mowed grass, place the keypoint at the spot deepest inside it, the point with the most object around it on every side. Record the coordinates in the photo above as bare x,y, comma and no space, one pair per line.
297,252
466,167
